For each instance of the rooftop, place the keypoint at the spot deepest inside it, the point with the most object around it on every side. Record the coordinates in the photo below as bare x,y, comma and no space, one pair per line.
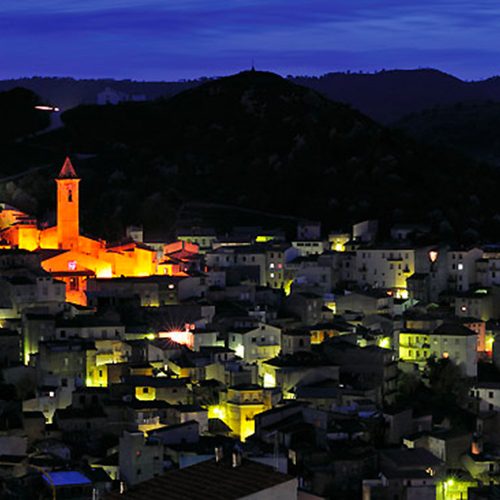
67,170
66,478
206,481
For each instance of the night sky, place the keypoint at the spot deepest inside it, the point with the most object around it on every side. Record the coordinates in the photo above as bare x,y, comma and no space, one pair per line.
173,39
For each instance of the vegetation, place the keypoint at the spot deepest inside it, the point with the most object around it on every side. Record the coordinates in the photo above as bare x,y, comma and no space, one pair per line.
257,141
470,129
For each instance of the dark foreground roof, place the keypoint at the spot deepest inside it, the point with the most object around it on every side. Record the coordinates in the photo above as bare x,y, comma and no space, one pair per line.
208,481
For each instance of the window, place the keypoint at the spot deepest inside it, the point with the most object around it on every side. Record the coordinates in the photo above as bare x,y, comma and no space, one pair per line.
490,394
145,390
460,266
73,283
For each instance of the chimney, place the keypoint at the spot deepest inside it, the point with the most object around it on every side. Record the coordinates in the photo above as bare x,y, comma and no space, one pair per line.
219,454
476,445
236,458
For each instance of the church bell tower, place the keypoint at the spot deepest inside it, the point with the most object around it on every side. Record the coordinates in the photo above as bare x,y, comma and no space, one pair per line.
68,227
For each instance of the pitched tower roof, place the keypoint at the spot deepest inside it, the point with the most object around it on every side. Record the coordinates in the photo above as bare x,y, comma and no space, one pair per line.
67,170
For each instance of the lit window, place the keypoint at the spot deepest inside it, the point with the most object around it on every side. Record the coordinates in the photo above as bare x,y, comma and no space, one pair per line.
272,275
460,266
271,265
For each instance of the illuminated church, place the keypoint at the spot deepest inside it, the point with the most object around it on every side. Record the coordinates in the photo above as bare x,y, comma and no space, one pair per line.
65,253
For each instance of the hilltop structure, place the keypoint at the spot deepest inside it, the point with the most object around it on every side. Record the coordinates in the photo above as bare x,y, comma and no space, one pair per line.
70,256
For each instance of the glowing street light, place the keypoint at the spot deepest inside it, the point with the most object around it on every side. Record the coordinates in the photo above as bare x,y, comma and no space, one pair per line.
52,109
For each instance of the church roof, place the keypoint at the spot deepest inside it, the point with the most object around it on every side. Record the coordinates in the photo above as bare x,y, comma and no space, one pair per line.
67,170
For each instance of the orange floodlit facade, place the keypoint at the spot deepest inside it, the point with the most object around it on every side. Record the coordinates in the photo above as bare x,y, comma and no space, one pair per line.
76,258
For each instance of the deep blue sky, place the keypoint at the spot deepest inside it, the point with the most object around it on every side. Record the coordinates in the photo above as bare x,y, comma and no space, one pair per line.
173,39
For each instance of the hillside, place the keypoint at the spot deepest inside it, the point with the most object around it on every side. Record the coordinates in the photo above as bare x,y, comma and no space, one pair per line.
470,129
257,141
386,96
67,93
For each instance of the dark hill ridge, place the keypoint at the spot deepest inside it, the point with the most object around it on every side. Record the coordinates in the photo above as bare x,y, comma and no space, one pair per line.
388,95
70,92
385,96
258,141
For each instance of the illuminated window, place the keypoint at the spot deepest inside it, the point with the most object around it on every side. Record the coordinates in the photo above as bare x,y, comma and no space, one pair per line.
460,266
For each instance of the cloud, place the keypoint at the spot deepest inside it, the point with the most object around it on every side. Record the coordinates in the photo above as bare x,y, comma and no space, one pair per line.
129,37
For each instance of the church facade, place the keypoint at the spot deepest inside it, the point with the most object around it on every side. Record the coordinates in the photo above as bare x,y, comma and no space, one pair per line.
68,255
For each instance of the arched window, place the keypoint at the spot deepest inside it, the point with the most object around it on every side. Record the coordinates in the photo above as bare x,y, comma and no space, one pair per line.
70,195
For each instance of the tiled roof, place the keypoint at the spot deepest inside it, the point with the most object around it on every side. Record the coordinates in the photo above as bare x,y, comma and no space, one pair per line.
208,481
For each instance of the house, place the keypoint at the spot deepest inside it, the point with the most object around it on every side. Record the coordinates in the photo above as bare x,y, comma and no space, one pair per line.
255,343
461,264
10,348
449,340
389,266
365,302
305,306
288,371
242,403
171,390
88,326
140,459
66,362
113,96
293,341
410,473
